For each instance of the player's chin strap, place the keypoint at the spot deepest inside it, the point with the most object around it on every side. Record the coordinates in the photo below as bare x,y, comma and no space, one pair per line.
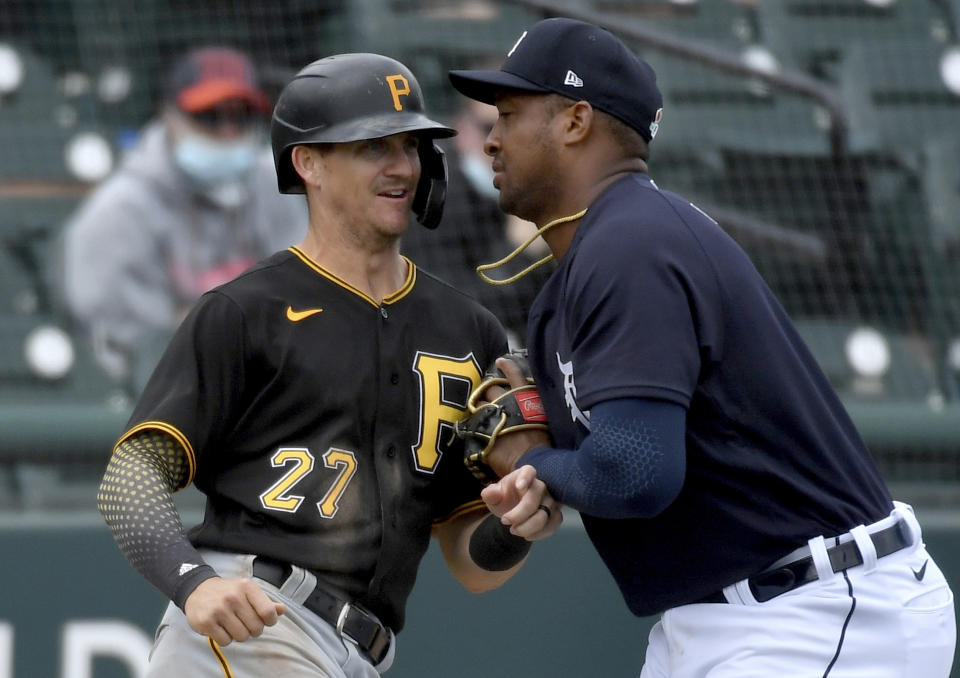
510,257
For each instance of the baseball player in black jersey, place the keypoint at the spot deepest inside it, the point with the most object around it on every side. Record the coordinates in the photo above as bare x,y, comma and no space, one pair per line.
715,469
311,400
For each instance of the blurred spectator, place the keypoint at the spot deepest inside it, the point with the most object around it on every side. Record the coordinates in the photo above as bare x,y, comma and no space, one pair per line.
474,231
194,203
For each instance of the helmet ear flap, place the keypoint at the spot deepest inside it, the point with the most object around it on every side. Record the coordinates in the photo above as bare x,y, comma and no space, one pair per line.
432,187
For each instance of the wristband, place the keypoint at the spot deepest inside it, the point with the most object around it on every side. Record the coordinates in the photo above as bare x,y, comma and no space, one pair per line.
494,548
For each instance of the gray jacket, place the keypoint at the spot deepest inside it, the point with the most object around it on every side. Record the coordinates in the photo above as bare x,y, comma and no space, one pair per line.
146,244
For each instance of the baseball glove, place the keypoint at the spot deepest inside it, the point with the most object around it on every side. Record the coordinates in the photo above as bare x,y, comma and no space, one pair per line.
514,410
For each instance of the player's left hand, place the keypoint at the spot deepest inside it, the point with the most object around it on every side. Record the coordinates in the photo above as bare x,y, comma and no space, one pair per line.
513,445
522,501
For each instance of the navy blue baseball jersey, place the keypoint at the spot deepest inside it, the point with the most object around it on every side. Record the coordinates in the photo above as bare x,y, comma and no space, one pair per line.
654,300
317,421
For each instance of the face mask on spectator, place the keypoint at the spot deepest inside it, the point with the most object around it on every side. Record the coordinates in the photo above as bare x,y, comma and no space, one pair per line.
479,172
209,162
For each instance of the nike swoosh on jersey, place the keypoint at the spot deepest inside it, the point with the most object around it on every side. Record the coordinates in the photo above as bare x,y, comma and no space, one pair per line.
297,316
922,571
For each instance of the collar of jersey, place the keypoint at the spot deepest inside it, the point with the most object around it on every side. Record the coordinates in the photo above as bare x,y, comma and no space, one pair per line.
391,298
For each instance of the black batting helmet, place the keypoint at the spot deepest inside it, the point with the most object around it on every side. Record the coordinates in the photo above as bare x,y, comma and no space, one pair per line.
351,97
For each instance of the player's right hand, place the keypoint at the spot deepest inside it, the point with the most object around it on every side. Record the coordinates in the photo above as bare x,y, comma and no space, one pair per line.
230,609
522,501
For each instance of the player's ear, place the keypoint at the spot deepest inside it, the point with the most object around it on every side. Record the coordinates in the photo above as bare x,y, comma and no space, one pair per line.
306,162
578,120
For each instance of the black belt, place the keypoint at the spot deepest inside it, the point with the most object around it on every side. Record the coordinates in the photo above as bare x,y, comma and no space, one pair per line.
371,636
771,583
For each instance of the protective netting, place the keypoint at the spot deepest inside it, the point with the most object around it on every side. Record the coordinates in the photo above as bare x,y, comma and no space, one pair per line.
822,134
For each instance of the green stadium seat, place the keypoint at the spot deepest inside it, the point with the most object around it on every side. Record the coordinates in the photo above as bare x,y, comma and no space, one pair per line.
32,124
904,269
896,97
128,35
738,149
55,431
431,37
941,193
910,376
720,23
123,51
709,109
815,34
842,236
143,38
897,244
447,26
29,229
39,120
941,186
18,284
953,17
21,381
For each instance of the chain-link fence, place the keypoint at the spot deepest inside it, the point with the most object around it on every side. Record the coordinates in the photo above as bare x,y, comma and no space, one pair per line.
822,134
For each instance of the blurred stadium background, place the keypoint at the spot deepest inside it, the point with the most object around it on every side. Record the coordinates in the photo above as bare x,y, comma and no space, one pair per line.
824,135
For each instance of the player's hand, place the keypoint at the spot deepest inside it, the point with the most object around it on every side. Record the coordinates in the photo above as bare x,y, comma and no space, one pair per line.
230,609
519,498
513,445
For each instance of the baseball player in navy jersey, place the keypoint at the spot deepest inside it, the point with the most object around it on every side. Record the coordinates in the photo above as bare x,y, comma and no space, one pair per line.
311,400
716,471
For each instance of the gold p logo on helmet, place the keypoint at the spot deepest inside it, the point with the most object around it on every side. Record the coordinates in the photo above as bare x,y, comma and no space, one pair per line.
398,87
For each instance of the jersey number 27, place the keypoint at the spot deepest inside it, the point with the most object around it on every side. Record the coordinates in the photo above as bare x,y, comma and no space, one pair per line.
438,411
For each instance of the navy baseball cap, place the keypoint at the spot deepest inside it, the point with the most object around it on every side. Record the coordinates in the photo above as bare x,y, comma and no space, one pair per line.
577,60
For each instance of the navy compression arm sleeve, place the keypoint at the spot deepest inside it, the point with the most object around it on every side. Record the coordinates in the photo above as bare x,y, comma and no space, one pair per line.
631,465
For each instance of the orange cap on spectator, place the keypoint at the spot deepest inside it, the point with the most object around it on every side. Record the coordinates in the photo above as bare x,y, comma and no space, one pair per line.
212,75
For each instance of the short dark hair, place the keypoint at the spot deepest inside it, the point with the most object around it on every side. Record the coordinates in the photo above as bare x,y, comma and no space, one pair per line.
629,140
557,102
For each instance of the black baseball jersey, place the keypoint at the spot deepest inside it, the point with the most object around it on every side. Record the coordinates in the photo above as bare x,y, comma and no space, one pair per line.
654,300
318,423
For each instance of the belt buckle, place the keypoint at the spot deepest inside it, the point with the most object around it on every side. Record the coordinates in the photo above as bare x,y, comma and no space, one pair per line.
374,648
342,618
767,585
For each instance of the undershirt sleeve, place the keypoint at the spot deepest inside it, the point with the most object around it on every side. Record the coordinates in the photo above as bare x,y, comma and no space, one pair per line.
136,501
631,465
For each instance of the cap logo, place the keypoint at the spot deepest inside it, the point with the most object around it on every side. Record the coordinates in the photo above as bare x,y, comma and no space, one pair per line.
573,80
514,48
398,90
655,125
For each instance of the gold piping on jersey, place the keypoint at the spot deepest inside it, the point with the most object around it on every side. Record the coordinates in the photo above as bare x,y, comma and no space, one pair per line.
462,510
393,297
218,653
176,434
510,257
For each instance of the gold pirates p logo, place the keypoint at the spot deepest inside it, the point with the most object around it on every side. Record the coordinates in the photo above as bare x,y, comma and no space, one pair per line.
398,87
